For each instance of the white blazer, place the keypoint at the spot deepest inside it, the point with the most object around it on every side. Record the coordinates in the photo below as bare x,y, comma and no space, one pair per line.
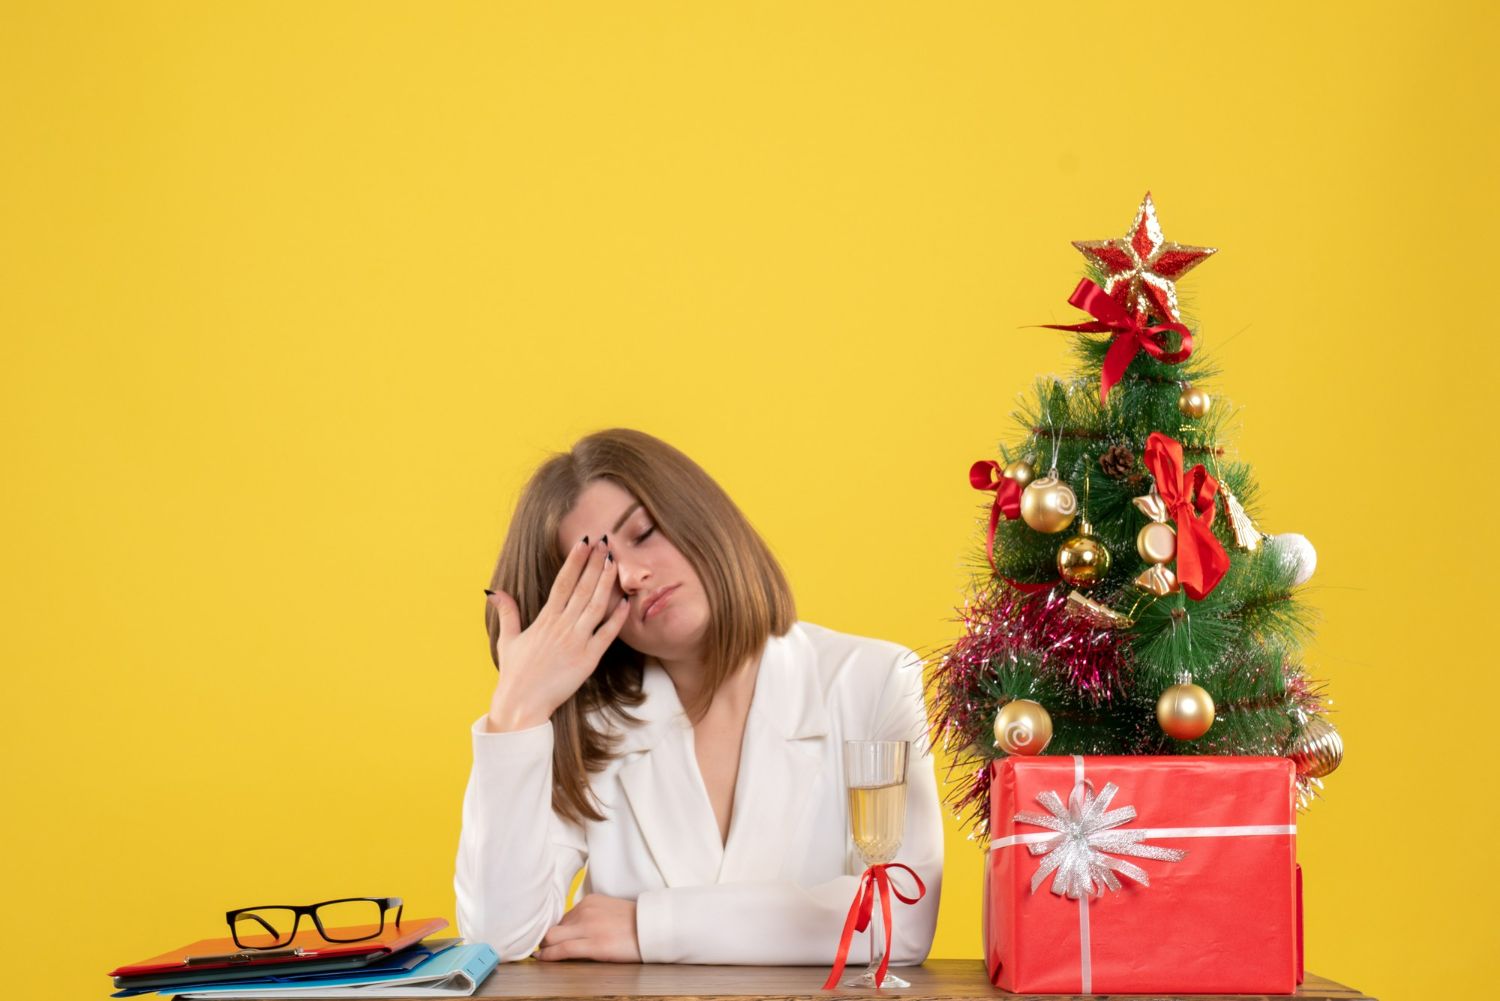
778,891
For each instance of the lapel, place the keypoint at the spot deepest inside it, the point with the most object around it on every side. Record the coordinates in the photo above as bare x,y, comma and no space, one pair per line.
665,792
781,765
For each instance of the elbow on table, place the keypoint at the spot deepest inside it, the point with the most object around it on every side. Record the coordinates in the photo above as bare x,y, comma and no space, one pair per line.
499,925
912,948
912,952
911,941
511,941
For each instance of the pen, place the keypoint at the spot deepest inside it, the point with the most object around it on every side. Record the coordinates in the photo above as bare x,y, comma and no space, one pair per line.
245,957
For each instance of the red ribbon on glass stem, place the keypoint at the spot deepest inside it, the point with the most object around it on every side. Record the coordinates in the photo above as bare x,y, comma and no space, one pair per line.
1201,560
1131,335
875,881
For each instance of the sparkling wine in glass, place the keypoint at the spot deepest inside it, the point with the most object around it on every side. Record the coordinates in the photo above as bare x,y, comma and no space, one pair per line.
875,773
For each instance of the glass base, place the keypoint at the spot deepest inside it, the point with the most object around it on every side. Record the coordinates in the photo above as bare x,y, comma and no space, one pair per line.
867,979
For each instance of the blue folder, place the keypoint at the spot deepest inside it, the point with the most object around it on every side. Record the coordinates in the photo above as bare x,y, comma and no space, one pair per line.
438,971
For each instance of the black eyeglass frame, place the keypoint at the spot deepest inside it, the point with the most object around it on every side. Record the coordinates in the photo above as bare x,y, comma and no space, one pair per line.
311,910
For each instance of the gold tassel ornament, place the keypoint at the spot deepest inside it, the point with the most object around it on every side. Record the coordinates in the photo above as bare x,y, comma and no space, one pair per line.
1246,535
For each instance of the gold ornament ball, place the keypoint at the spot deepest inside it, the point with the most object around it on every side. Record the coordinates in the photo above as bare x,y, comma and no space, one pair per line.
1193,402
1318,749
1185,711
1020,471
1023,727
1082,561
1048,505
1156,542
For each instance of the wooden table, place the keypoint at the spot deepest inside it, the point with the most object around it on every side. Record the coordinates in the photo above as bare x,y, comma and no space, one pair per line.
935,980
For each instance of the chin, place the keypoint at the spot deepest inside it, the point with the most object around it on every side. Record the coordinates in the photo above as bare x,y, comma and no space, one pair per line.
676,644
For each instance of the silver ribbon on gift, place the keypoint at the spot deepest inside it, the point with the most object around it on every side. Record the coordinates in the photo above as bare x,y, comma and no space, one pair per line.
1082,852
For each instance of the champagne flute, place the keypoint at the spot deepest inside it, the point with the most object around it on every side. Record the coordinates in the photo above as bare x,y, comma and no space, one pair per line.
875,773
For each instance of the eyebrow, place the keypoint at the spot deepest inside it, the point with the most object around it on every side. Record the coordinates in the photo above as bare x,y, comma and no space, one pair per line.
628,512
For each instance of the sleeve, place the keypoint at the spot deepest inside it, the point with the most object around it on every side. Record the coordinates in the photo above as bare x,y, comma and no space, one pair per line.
783,923
516,857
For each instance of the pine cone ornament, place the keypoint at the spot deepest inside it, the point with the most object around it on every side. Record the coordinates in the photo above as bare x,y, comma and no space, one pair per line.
1118,461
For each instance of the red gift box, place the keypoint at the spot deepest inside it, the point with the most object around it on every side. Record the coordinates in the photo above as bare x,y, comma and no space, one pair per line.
1182,870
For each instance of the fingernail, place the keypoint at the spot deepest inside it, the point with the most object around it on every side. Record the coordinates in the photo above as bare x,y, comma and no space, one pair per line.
609,557
585,540
605,540
489,592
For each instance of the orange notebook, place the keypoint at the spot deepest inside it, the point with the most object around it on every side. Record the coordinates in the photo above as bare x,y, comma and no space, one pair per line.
306,946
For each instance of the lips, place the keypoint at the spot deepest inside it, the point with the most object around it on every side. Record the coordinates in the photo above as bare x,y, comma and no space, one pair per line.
657,599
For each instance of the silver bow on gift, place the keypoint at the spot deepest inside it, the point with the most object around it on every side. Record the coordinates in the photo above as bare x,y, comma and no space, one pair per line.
1085,832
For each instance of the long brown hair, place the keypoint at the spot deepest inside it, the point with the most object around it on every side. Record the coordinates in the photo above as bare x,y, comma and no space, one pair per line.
749,599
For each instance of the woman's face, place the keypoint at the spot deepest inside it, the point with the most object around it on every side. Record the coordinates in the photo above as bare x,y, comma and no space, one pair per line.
651,568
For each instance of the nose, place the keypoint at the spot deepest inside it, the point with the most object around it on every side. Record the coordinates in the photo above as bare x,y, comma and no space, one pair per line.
633,575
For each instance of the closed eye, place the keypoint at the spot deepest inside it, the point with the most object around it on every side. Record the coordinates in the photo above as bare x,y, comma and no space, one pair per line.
642,537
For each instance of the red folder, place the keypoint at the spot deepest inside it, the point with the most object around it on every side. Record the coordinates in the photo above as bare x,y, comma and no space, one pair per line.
222,953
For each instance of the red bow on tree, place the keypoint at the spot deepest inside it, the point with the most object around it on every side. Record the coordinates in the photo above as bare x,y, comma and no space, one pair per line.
1201,560
1131,335
875,882
985,475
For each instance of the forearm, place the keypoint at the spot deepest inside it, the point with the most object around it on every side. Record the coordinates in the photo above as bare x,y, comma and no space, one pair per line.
777,923
511,873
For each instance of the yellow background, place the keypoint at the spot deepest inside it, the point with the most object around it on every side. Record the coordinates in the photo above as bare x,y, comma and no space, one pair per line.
294,296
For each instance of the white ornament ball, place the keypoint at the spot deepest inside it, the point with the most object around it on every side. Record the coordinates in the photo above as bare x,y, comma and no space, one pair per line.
1295,551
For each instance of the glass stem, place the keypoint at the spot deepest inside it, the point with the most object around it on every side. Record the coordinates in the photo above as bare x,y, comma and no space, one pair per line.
876,941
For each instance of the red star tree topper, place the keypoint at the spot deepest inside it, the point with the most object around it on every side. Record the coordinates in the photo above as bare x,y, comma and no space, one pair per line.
1142,266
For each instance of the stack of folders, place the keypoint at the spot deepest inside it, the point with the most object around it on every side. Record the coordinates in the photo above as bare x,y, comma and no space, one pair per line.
400,962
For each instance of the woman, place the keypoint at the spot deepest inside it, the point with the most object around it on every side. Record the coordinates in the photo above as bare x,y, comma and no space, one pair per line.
663,719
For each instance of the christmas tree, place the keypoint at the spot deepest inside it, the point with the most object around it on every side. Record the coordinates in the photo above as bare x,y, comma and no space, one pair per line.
1124,600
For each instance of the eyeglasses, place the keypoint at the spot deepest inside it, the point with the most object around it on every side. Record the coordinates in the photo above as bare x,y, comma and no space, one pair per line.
348,919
